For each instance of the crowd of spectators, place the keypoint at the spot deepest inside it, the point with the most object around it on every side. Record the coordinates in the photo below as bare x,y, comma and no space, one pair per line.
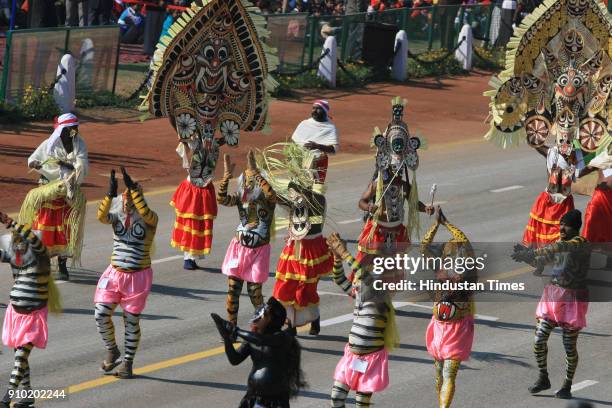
80,13
132,17
334,7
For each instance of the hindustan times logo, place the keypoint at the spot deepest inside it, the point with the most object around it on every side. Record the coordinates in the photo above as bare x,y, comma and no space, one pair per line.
411,264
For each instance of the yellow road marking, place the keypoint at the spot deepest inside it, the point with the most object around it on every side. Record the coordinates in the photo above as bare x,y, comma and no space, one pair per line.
188,358
73,389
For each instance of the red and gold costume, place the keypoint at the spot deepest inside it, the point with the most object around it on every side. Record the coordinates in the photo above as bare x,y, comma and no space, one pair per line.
391,189
305,257
598,215
554,94
211,73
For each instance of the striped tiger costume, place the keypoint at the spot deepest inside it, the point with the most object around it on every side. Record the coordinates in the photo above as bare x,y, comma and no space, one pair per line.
364,365
128,279
248,254
564,303
450,333
25,322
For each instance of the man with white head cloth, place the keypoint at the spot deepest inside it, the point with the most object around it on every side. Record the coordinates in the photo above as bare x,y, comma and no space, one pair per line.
319,135
57,207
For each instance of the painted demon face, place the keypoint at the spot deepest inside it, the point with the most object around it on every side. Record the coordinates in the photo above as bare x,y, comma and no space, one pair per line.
398,112
573,42
299,224
208,106
571,86
566,127
576,8
213,62
398,139
446,310
238,83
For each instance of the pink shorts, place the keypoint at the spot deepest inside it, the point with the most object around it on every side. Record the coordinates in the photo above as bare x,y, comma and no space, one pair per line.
451,340
565,307
24,328
128,289
248,264
376,375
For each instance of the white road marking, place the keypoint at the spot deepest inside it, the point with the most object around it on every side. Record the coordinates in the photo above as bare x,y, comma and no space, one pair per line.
336,320
350,221
322,292
170,258
428,307
509,188
583,384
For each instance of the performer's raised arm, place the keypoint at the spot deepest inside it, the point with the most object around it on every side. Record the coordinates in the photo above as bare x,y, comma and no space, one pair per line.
223,198
253,171
24,232
149,216
337,246
104,214
428,238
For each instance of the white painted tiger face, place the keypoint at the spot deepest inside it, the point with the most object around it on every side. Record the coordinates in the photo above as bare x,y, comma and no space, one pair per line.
298,218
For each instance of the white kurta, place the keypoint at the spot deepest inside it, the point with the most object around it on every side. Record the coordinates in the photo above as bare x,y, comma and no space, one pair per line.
78,158
323,133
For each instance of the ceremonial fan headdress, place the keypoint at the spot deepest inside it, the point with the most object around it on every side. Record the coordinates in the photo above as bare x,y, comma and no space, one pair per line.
212,72
396,153
557,80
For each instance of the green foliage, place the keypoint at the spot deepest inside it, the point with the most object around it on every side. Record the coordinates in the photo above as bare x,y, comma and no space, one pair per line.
104,98
358,75
430,65
10,114
487,59
38,104
305,80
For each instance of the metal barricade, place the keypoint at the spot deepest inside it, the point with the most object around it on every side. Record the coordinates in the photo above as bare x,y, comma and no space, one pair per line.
31,58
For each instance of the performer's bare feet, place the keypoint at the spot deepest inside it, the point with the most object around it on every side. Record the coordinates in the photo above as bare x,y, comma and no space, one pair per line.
112,360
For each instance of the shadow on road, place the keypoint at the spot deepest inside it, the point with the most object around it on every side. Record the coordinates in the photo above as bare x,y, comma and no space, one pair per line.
187,293
233,387
118,313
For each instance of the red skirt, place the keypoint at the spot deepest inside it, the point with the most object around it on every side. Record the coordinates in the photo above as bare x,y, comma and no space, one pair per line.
51,222
544,219
371,242
297,279
598,217
196,209
320,165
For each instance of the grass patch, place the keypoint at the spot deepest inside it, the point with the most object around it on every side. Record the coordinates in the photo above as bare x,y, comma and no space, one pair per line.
430,64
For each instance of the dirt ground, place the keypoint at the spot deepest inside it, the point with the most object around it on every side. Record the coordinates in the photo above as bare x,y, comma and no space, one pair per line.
441,110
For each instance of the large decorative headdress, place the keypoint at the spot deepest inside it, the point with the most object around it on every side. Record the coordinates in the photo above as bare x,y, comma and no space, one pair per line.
212,71
557,80
396,153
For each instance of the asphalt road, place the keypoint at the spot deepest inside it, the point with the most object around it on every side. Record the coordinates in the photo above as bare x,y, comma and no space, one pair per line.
180,362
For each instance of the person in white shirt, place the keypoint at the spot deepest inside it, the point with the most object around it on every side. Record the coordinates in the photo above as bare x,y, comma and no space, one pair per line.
319,135
56,208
